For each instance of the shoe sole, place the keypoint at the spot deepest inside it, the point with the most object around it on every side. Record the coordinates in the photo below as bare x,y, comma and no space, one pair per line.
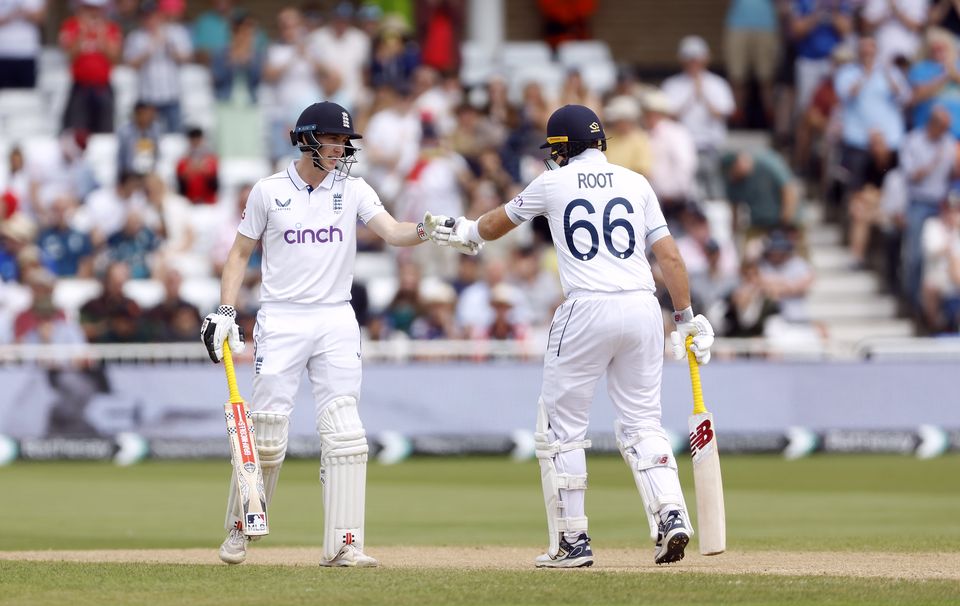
675,546
233,560
346,564
585,562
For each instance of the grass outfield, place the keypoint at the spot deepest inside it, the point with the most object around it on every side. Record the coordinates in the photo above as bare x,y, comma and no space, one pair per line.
850,504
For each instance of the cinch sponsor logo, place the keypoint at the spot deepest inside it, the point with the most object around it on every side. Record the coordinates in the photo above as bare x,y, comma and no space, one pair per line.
306,235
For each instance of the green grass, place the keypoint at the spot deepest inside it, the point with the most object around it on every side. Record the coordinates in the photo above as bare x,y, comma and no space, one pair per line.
851,503
97,584
858,503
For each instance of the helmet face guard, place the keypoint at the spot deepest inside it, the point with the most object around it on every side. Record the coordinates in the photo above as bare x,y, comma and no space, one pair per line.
571,130
326,118
306,141
567,149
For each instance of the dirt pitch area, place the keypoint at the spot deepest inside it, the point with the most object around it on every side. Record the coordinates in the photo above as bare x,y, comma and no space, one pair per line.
853,564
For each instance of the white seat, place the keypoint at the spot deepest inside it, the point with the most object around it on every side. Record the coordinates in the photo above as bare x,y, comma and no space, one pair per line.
584,53
235,172
101,154
515,54
124,81
380,292
51,57
70,294
370,265
146,293
600,78
548,75
173,146
195,77
15,107
203,293
477,63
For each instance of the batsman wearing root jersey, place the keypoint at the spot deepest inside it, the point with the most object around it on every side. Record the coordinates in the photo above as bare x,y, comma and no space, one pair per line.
602,217
305,217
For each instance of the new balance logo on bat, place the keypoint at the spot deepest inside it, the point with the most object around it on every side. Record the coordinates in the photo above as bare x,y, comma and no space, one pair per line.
700,437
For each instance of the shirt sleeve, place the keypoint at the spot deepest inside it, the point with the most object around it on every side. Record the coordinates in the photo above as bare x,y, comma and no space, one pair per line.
135,47
253,221
368,202
654,222
530,203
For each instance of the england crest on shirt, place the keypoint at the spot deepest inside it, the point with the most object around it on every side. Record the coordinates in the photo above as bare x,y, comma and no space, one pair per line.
337,203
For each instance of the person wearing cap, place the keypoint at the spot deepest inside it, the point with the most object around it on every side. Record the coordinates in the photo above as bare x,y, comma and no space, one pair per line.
673,167
437,320
786,277
702,101
602,218
342,48
305,220
93,44
629,145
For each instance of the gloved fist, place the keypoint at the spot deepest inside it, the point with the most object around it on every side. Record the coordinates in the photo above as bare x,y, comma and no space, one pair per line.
217,328
466,237
437,228
699,328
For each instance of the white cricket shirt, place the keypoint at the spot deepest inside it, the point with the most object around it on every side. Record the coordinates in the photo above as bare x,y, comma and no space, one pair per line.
602,217
309,236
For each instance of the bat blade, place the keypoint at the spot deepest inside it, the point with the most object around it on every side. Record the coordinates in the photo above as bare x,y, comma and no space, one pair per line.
246,464
711,516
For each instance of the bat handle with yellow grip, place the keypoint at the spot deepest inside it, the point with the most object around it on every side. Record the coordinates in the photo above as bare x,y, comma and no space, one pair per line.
231,374
698,405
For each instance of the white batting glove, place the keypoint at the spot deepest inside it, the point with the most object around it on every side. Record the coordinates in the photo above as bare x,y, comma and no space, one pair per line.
699,327
219,327
437,228
466,237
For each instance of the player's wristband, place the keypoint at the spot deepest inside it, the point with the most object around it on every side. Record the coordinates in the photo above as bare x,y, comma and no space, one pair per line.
684,315
421,232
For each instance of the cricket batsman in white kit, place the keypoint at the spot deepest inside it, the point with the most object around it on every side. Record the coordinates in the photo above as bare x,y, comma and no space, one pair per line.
305,217
602,217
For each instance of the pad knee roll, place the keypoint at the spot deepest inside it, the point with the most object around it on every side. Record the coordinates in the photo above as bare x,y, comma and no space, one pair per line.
343,474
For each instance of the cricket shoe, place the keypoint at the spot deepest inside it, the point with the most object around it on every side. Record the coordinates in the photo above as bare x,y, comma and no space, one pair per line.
672,539
350,555
576,555
234,547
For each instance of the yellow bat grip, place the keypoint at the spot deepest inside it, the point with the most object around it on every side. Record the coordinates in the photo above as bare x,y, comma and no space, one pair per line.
231,375
698,406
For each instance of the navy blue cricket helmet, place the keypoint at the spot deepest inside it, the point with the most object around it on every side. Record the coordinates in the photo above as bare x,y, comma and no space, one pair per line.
572,129
325,118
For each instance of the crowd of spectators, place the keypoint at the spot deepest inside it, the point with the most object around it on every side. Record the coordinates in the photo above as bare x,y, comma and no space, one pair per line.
861,97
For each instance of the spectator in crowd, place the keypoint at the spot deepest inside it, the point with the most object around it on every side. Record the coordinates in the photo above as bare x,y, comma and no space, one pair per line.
786,278
63,169
173,319
406,305
391,141
437,320
896,25
819,122
748,305
473,133
946,14
294,79
43,322
928,157
872,97
629,145
113,317
751,48
105,210
241,62
574,91
210,33
14,194
504,326
20,22
760,183
703,102
936,79
432,101
197,176
156,50
816,27
17,233
711,265
537,289
866,207
138,141
673,166
93,44
564,20
71,251
474,312
394,56
342,48
440,25
468,272
941,267
134,245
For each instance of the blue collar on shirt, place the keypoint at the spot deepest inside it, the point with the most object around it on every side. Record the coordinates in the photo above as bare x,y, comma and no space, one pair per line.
298,181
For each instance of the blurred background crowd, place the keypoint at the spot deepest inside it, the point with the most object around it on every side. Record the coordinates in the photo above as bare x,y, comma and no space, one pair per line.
807,164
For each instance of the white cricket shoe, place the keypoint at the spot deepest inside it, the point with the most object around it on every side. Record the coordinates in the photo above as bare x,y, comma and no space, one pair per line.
233,550
571,555
350,555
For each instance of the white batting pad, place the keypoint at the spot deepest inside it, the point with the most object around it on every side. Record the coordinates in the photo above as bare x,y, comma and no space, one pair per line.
343,474
271,430
548,449
649,455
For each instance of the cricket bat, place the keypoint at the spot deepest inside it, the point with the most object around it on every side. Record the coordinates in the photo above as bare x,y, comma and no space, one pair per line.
243,451
706,468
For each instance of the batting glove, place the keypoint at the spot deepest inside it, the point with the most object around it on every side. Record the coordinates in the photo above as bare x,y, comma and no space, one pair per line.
698,327
437,228
219,327
466,237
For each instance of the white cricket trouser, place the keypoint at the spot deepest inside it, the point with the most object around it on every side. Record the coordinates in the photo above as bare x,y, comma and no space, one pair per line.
620,334
288,337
